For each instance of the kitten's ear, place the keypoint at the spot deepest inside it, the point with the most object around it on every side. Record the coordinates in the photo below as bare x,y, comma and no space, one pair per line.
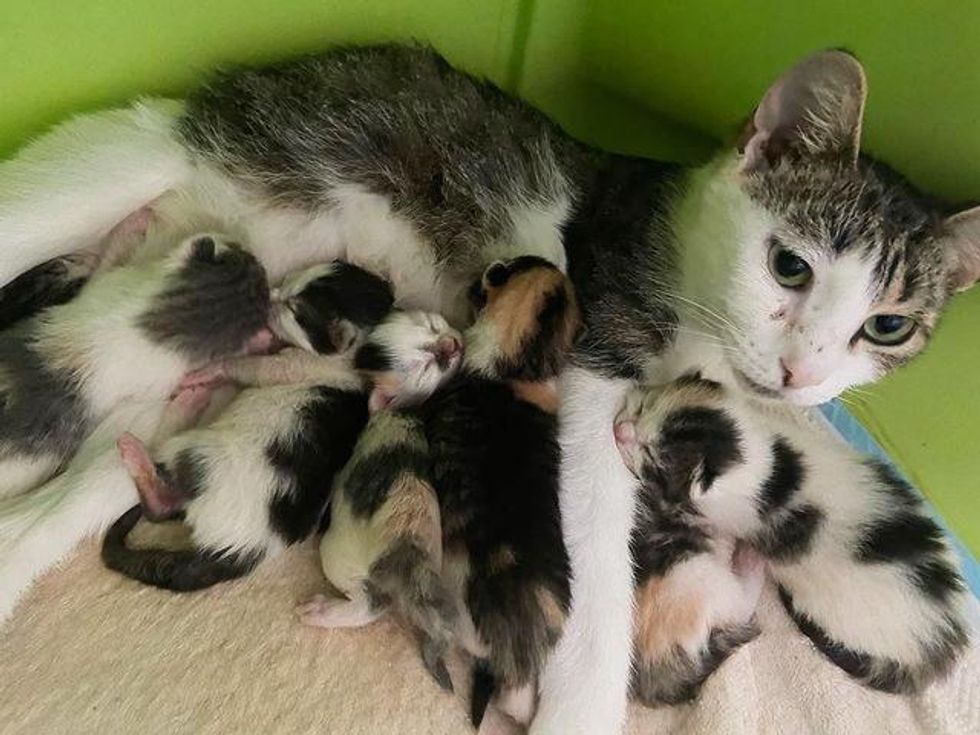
963,248
814,109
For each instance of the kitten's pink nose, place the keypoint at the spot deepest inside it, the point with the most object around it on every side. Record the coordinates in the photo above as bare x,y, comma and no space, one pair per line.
625,433
447,348
797,374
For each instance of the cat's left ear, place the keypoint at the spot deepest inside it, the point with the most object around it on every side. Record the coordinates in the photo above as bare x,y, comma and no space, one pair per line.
814,110
962,248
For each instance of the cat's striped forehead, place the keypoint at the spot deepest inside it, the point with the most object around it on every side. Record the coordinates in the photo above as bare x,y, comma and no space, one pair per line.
866,209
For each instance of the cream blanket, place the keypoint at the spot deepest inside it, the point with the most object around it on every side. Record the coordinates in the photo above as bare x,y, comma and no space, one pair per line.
91,652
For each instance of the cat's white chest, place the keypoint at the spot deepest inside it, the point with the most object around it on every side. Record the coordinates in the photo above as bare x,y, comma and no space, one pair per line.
688,353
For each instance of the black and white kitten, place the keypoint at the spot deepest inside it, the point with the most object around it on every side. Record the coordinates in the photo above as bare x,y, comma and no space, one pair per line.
42,526
63,370
790,262
257,478
862,568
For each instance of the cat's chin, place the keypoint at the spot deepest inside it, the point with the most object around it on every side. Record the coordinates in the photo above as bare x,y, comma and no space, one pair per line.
757,389
796,397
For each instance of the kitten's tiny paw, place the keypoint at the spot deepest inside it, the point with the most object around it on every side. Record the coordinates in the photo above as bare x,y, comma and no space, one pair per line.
319,611
208,377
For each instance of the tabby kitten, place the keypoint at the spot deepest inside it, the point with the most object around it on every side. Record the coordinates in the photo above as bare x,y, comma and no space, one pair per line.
790,263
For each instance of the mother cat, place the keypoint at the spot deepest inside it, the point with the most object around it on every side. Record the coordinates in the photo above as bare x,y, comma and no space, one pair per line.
790,265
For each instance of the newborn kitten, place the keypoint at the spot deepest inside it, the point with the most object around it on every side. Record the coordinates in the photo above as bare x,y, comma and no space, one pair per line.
862,568
258,477
134,335
492,457
695,594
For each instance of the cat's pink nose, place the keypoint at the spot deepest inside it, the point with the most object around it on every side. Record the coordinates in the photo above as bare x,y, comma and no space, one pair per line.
798,375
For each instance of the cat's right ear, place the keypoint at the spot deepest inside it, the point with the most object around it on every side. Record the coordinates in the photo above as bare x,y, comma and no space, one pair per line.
962,249
814,110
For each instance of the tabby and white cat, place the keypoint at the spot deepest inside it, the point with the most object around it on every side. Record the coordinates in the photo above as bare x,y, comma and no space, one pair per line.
790,264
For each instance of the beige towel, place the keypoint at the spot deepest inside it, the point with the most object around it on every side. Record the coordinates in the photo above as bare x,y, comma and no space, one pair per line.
90,652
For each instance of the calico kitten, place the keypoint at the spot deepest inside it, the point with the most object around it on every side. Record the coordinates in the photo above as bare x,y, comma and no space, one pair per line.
134,336
486,442
862,568
258,477
790,263
695,595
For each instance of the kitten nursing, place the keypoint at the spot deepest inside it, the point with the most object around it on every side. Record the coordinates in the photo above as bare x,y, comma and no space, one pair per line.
64,369
840,534
448,512
257,478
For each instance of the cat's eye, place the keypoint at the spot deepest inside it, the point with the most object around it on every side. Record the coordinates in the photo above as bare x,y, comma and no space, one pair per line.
788,268
888,329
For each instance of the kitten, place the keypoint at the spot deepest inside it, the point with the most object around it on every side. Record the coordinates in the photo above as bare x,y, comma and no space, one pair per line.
789,263
486,443
257,478
134,336
862,568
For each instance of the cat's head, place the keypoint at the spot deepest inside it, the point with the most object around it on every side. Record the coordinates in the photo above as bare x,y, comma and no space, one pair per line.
328,308
526,320
830,269
407,356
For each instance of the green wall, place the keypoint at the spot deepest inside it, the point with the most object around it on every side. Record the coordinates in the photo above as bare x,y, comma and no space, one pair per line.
656,77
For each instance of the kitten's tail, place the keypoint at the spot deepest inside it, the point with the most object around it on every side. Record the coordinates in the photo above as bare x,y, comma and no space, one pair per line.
519,619
68,189
482,691
407,576
183,570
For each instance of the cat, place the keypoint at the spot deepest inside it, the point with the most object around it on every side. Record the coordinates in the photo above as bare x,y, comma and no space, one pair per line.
449,513
44,524
790,263
257,478
696,588
841,536
66,368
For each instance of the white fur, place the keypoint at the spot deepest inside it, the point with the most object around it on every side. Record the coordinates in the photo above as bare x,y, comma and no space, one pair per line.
66,191
584,684
843,594
21,472
41,528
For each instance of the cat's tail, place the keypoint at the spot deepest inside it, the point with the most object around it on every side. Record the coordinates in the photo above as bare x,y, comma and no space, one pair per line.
65,191
183,570
407,578
43,526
